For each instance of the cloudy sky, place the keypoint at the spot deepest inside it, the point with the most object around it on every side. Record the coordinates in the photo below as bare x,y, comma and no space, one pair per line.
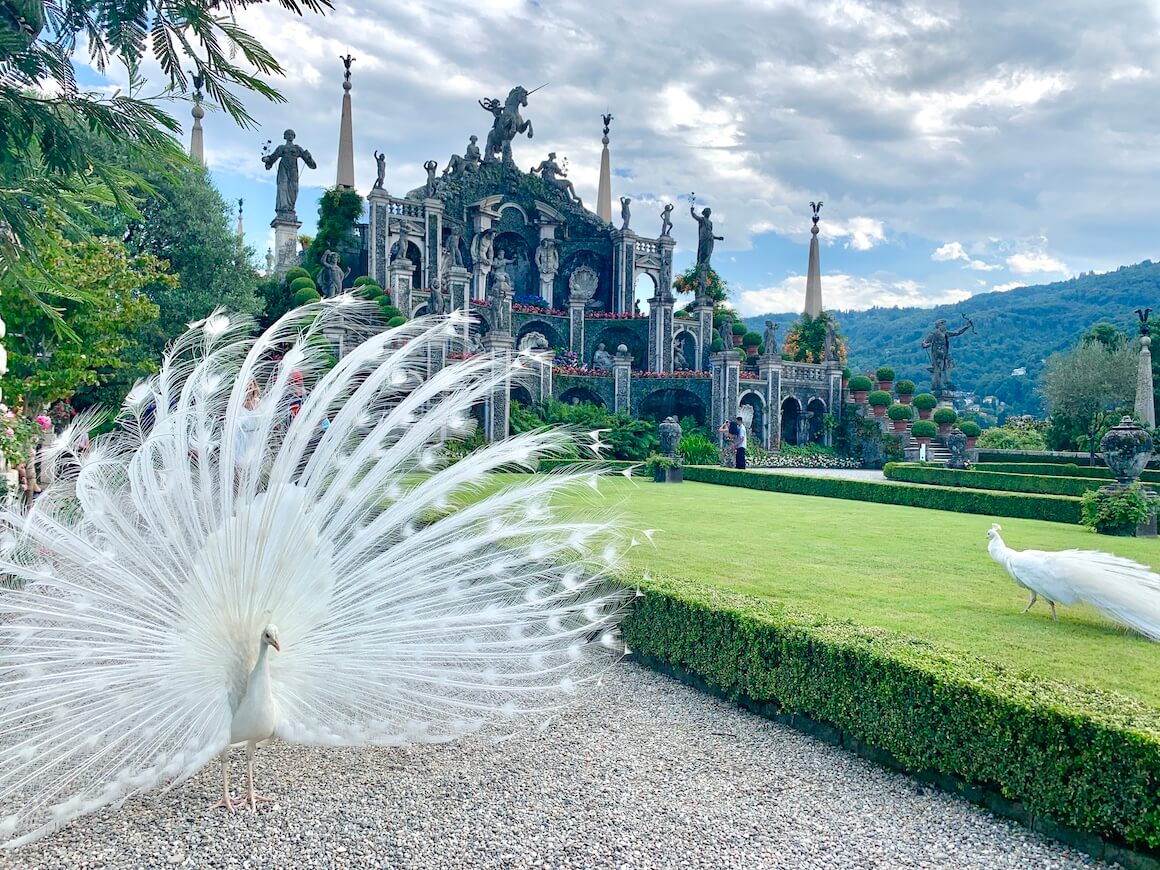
959,147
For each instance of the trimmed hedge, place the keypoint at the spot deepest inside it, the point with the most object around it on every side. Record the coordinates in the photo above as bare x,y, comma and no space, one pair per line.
995,454
1055,508
924,401
944,416
924,429
885,374
860,384
1073,756
900,412
879,398
616,464
996,480
1055,470
905,388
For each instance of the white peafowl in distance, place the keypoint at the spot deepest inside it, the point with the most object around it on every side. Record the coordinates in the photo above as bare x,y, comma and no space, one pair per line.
1123,590
245,559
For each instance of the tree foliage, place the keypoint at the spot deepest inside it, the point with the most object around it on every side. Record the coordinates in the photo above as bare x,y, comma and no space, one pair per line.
806,339
689,280
338,209
1090,385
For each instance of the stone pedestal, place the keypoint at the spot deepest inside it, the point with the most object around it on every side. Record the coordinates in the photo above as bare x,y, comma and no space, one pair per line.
665,246
622,380
703,317
286,227
432,244
378,229
660,333
576,328
623,270
497,408
459,297
401,273
769,366
726,369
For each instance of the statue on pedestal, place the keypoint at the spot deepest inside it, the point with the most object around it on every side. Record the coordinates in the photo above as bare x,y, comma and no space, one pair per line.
507,124
547,259
938,344
400,247
769,339
666,221
556,179
434,298
602,359
502,281
287,156
481,247
680,364
705,241
454,255
381,165
625,213
331,275
432,184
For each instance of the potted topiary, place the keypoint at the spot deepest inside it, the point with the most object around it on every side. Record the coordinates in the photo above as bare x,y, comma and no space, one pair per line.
845,378
905,390
885,377
664,469
750,341
972,430
923,431
739,333
860,388
879,401
900,415
945,418
925,402
717,346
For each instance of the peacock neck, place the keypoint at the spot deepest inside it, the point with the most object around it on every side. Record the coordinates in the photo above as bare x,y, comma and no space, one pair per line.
260,675
997,549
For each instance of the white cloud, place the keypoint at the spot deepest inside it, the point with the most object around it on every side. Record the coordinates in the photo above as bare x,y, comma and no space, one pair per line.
1003,288
844,292
949,251
1035,262
861,233
980,266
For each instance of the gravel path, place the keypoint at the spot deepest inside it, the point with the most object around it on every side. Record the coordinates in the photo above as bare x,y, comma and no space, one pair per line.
650,774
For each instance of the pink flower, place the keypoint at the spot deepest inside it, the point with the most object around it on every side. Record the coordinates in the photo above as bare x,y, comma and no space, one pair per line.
9,432
44,422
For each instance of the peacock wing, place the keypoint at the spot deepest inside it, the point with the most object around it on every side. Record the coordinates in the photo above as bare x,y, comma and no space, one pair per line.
1122,589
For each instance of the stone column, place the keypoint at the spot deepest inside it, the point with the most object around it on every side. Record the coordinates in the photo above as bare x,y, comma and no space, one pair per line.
665,246
622,380
576,328
834,403
726,368
497,408
378,201
770,368
660,333
401,273
544,365
286,227
623,269
703,316
432,240
459,294
1145,402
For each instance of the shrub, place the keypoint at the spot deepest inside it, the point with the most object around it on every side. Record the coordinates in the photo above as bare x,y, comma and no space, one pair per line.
696,449
719,318
924,429
1055,508
1072,755
297,272
993,480
396,321
925,401
945,416
751,339
371,290
300,283
306,295
389,311
846,374
717,346
1004,438
860,384
899,412
970,428
885,374
904,388
1117,511
1069,469
660,462
363,279
738,328
880,397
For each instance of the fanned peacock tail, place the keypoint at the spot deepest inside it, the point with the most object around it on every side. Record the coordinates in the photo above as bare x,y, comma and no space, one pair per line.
416,599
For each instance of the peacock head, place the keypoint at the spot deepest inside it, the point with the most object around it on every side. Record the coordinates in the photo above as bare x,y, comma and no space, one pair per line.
270,637
993,532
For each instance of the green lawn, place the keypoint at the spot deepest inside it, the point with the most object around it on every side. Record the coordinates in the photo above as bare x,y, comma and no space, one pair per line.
925,573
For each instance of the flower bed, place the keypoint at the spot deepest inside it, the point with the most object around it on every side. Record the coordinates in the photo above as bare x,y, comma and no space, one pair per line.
520,308
612,315
580,370
799,457
680,374
750,376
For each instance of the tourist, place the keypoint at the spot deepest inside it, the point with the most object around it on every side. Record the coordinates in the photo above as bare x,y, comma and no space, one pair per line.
292,399
729,448
740,443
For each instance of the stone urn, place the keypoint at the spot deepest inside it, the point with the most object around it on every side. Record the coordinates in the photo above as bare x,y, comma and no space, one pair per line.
956,443
1126,449
670,433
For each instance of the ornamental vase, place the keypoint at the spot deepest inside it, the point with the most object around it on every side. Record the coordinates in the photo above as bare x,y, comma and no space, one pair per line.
1126,449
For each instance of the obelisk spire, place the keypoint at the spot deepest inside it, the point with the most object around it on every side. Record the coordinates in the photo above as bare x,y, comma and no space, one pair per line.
197,136
1145,398
241,226
814,275
345,178
604,191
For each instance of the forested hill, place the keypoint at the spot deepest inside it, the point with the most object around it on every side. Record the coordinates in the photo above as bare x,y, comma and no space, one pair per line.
1016,329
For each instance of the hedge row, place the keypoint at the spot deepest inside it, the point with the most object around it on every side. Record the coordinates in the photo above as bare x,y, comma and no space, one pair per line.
1055,458
615,464
1083,758
1057,508
1069,470
983,478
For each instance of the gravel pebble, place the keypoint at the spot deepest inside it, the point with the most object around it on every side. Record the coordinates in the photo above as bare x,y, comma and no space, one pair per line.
648,774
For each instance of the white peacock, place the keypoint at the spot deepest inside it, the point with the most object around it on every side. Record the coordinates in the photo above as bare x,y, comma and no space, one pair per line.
223,569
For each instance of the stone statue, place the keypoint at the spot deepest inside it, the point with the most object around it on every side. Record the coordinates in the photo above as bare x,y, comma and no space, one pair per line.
331,275
533,341
381,164
269,262
625,213
582,286
680,364
705,237
454,234
198,83
769,338
481,247
471,155
547,258
956,442
432,185
458,166
346,62
507,124
287,156
938,343
830,351
670,432
556,179
602,359
667,221
503,281
400,247
434,298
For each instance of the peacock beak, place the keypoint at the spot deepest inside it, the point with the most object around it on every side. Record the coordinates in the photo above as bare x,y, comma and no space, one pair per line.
277,646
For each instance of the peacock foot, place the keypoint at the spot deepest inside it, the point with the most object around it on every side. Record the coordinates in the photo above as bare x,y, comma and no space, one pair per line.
255,799
228,803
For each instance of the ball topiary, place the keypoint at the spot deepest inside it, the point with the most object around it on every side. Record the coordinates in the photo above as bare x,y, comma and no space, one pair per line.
970,428
717,346
362,279
904,388
925,401
396,321
860,384
370,290
390,311
899,412
945,416
751,339
298,283
739,328
880,398
306,295
297,272
885,374
846,374
924,429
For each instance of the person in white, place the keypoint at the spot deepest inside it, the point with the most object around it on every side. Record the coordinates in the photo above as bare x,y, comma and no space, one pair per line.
741,443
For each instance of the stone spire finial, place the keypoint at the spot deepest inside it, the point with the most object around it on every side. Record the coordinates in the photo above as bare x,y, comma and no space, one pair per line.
814,275
241,226
345,176
1145,398
604,191
197,136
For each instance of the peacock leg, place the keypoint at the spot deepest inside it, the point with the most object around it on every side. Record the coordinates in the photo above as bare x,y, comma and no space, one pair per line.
226,802
1054,617
252,796
1034,596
